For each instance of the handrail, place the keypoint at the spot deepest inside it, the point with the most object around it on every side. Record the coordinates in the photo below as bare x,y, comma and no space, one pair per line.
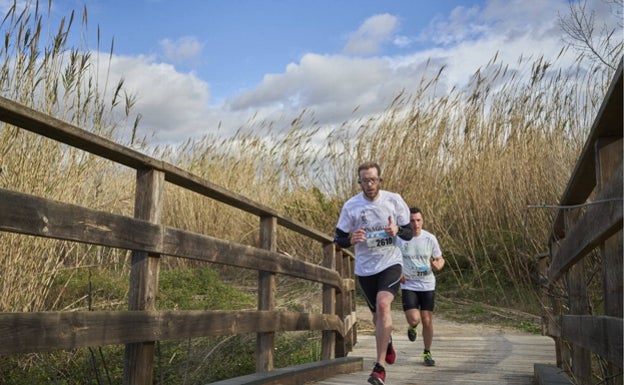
149,239
588,222
34,121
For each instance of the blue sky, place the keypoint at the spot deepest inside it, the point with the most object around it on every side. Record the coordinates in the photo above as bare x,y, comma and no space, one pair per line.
196,65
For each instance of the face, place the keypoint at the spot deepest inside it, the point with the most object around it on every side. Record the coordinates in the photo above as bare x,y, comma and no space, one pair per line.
416,223
369,181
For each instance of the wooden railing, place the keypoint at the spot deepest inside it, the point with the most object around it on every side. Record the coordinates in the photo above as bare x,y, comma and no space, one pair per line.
588,336
149,239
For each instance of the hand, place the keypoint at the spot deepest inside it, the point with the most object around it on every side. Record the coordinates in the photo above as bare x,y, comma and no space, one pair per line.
358,236
403,278
437,263
391,229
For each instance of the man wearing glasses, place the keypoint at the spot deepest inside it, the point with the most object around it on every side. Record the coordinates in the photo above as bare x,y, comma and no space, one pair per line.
370,221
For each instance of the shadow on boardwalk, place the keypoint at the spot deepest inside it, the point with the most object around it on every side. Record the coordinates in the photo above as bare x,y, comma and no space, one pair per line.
464,354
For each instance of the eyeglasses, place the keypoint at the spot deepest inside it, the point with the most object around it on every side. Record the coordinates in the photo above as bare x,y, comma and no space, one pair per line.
370,180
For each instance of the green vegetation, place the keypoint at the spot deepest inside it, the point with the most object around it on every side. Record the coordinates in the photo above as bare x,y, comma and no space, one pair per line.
473,159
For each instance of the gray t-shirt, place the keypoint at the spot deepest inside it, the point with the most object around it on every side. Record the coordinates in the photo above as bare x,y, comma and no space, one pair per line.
417,253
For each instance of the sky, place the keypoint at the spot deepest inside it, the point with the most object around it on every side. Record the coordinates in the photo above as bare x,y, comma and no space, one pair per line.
205,66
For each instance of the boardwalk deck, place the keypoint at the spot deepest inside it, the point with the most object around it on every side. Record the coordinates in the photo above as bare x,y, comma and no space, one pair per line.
464,354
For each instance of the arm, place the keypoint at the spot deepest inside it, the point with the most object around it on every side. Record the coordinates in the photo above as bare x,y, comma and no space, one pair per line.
342,238
405,232
437,263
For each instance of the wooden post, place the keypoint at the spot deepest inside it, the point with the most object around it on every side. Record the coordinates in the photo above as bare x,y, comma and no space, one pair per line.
579,305
341,349
265,342
349,272
609,161
139,357
329,303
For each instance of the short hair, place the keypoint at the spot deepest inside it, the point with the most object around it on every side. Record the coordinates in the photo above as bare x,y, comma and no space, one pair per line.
368,165
415,210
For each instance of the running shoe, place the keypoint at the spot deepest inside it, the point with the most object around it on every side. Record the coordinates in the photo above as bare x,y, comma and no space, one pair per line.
411,333
390,353
428,360
378,375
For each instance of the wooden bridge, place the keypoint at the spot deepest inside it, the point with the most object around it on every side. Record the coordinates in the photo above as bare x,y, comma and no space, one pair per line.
583,344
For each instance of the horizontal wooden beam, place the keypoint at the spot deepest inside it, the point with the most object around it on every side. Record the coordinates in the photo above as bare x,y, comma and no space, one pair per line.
600,334
28,214
600,221
49,331
299,374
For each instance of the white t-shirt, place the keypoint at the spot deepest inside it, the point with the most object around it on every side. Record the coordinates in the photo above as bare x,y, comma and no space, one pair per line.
416,261
379,251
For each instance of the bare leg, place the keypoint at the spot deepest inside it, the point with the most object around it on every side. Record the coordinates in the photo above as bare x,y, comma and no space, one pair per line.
383,324
427,330
412,317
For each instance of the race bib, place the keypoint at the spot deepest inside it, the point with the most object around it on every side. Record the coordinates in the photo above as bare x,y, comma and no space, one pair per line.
378,239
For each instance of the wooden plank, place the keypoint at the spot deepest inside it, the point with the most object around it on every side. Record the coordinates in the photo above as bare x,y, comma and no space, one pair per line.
299,374
27,214
49,331
550,375
474,356
202,247
599,222
600,334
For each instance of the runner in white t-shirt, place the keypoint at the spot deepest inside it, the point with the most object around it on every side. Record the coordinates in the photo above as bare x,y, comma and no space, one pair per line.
421,257
373,220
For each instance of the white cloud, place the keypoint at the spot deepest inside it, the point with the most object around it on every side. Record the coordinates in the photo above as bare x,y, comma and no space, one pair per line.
177,106
172,104
371,35
183,50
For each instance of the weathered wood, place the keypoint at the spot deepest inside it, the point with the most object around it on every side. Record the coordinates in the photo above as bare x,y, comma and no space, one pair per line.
609,165
608,162
600,334
608,122
299,374
265,341
578,303
465,354
599,166
49,331
328,344
341,300
27,214
600,221
145,269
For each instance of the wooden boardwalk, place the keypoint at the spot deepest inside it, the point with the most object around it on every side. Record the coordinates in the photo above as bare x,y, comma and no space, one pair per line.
464,353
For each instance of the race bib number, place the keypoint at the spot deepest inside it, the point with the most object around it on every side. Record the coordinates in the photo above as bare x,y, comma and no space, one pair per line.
378,239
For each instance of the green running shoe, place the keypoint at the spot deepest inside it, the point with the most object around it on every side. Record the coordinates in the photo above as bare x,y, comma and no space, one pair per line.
428,360
411,333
